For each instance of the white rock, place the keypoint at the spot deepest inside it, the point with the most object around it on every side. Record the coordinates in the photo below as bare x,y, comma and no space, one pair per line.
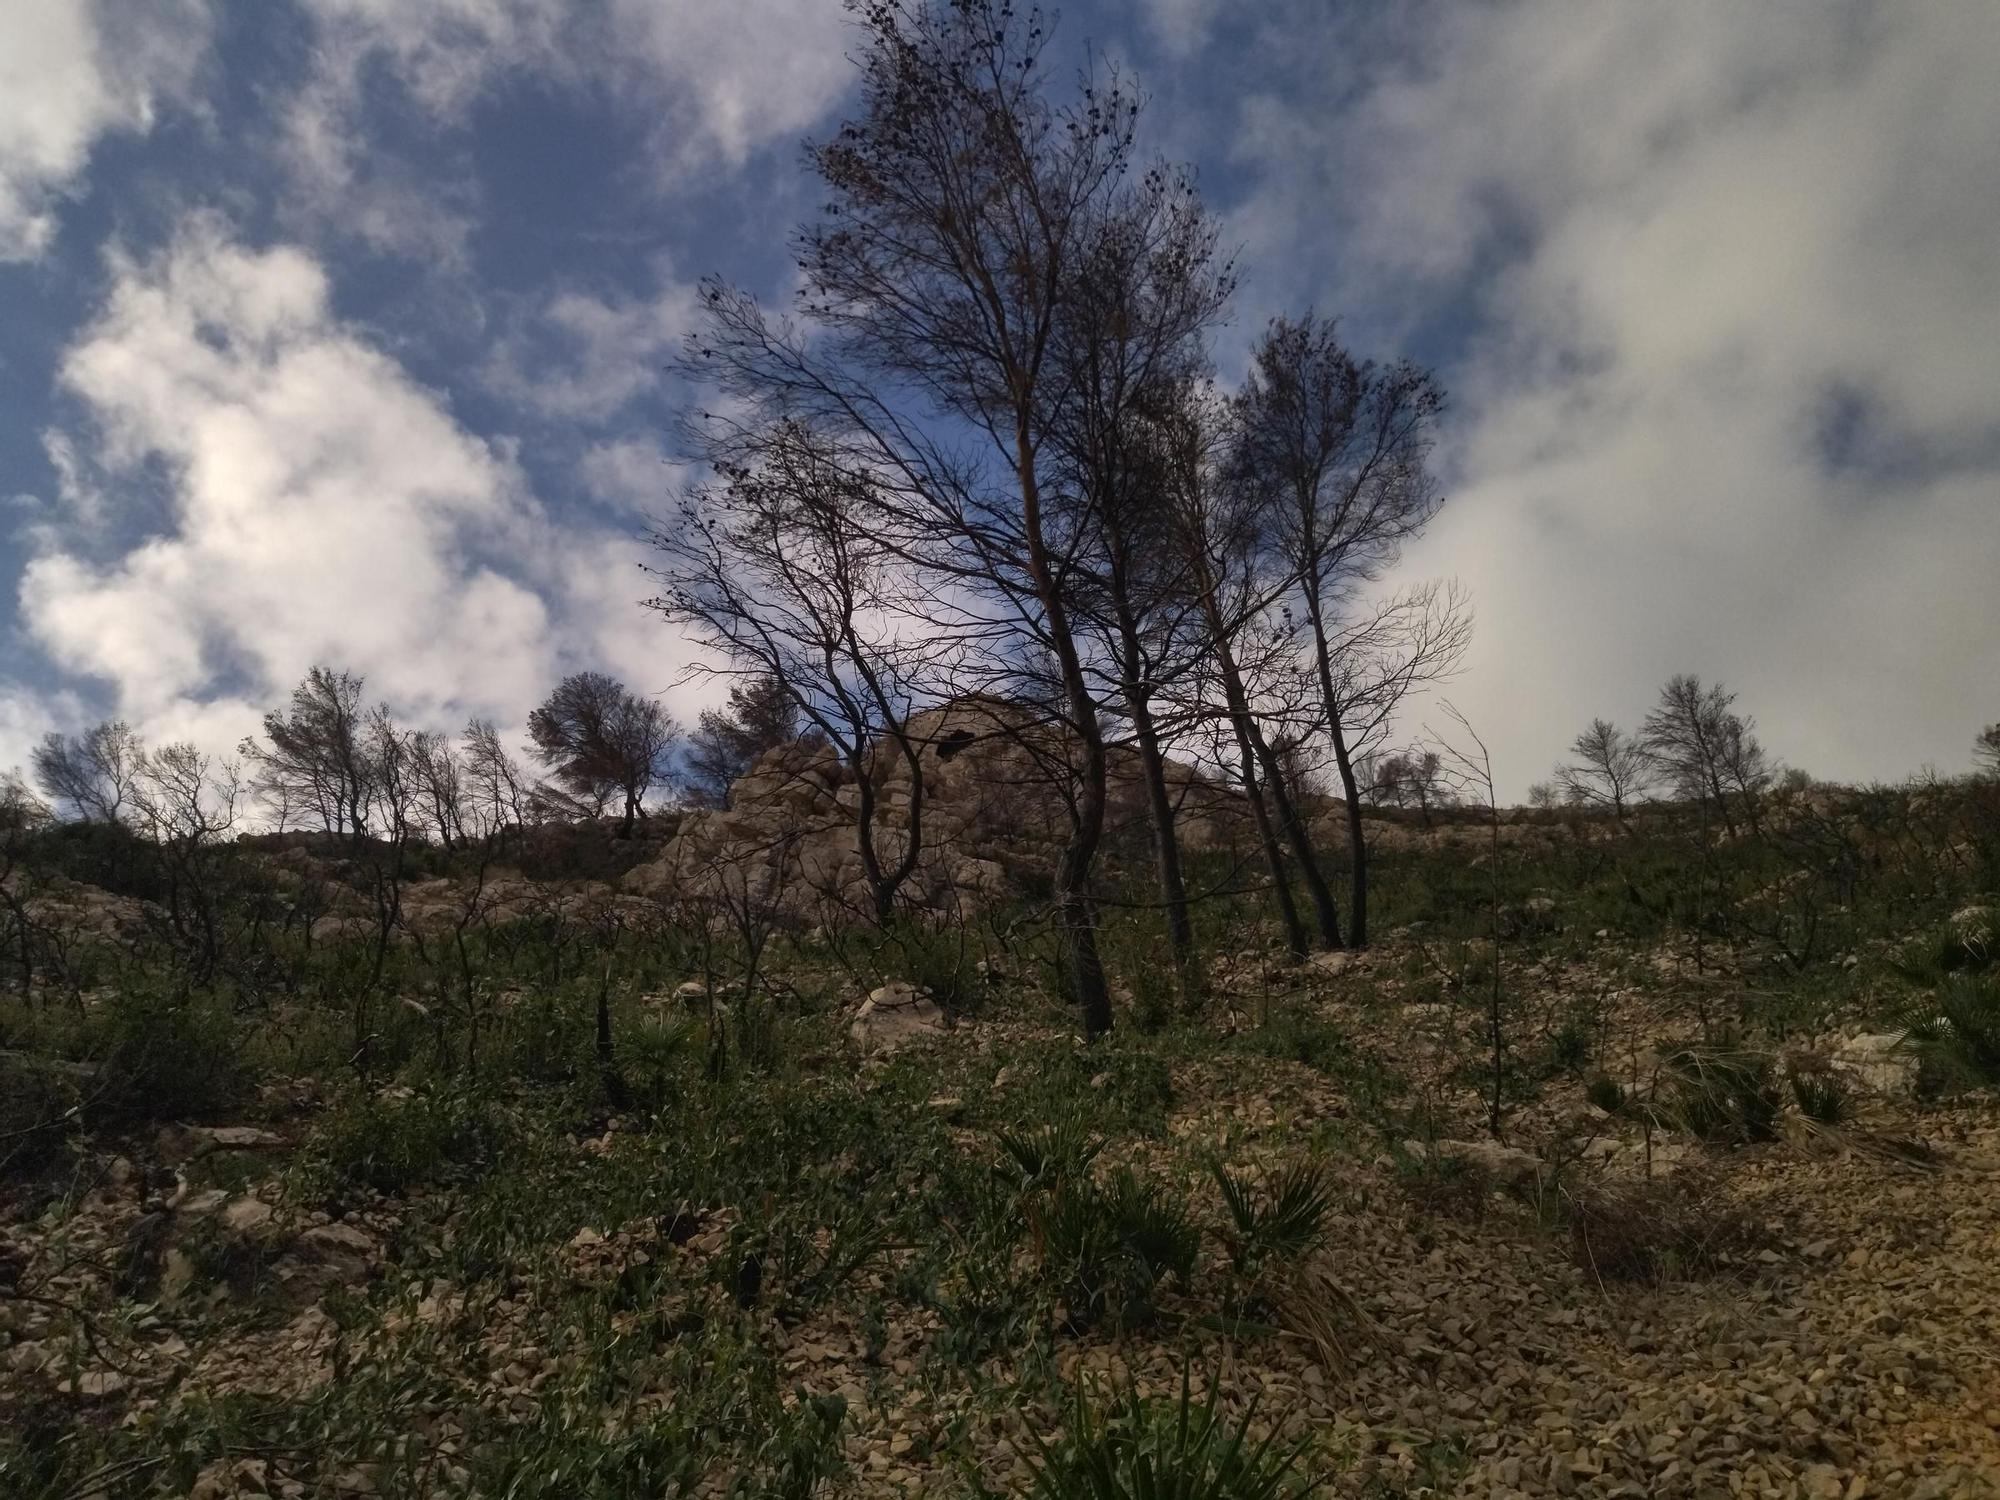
1506,1165
1879,1061
235,1138
246,1216
892,1015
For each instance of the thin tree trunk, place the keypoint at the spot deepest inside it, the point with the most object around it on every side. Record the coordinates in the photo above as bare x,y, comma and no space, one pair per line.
1076,912
882,884
1257,754
1159,802
1294,829
1357,843
1166,847
1274,858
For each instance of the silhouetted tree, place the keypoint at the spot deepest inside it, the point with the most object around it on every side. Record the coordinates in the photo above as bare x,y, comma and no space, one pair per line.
1340,446
22,815
761,715
1138,308
959,203
437,773
1219,540
775,573
20,808
497,796
89,775
1986,750
314,761
1611,768
1706,750
599,740
1414,778
187,803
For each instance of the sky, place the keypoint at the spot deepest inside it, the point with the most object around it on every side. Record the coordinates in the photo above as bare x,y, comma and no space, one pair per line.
338,331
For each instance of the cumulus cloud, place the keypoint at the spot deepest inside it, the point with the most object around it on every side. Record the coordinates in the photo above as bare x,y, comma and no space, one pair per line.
1727,405
25,717
70,72
1180,26
633,473
715,79
584,357
321,505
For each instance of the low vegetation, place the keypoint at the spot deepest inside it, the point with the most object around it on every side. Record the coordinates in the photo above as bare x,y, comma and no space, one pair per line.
558,1208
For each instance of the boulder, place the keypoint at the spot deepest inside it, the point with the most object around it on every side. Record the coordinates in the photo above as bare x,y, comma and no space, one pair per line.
233,1138
1505,1165
893,1015
1973,929
323,1257
1880,1062
246,1218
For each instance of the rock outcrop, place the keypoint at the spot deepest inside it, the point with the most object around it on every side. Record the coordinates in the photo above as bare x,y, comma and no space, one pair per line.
993,793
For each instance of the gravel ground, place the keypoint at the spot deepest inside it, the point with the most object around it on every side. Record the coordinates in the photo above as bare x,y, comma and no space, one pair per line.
1847,1348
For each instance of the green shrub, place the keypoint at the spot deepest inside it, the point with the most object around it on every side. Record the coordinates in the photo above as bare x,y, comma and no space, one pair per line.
37,1097
1956,1033
938,958
1117,1086
1451,1187
1722,1095
1569,1048
1048,1158
1821,1095
1606,1092
1284,1221
1105,1249
652,1055
1965,944
1299,1036
546,1037
397,1139
167,1058
1108,1249
1141,1448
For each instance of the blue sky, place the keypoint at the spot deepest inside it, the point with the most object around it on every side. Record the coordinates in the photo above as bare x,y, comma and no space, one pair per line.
334,330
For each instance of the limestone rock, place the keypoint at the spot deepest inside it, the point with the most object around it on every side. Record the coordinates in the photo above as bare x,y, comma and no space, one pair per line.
234,1138
325,1256
1879,1061
246,1218
1506,1165
892,1015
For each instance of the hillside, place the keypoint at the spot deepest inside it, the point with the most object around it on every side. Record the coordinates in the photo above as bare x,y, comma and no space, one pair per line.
535,1199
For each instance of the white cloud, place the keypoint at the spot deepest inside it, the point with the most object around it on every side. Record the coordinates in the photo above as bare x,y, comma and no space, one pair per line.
71,71
24,718
633,473
584,357
323,507
1715,245
1180,26
715,79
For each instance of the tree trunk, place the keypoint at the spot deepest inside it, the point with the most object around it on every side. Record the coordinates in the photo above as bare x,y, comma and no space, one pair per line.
1294,829
1076,913
882,884
1159,803
1274,858
1357,844
1257,754
1166,849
